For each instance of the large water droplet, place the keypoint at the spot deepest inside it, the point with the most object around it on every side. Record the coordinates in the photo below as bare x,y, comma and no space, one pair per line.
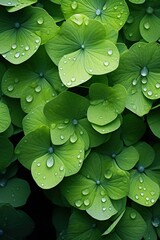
144,80
98,12
78,203
27,48
134,82
149,93
146,26
103,199
38,89
17,55
144,72
157,85
86,202
108,174
40,21
14,46
74,5
156,222
140,179
73,138
10,88
110,52
133,215
61,168
29,98
85,192
50,162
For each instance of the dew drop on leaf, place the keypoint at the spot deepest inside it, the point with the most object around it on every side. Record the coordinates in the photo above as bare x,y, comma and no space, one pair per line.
140,168
134,82
40,21
38,164
108,174
85,192
130,19
156,222
50,150
50,162
98,12
10,88
14,46
144,80
103,199
110,52
17,55
38,89
29,98
146,26
149,93
106,63
144,72
98,182
86,202
78,203
62,137
61,168
136,197
149,10
157,85
104,209
133,215
27,48
74,5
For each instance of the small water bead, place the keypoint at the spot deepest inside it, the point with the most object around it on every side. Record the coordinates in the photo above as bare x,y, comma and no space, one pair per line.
14,46
55,174
149,10
73,79
40,21
78,203
146,26
156,222
136,197
73,138
110,52
104,209
145,89
152,200
10,88
50,162
38,164
103,199
106,63
104,7
78,156
82,46
115,7
134,82
149,93
29,98
144,72
144,80
108,174
27,48
62,137
147,198
61,168
17,25
74,121
142,194
9,3
157,85
17,55
140,179
37,40
140,187
152,193
133,215
86,202
3,182
50,150
85,192
130,34
16,80
69,83
74,5
119,16
98,12
38,89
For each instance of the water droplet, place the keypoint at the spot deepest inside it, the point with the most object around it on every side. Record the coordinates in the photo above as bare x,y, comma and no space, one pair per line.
3,182
103,199
78,156
149,93
146,26
61,168
29,98
130,34
78,203
73,79
142,194
152,193
133,215
98,182
38,89
144,80
74,5
144,72
110,52
157,85
44,177
42,184
82,46
40,21
10,88
50,150
98,12
108,174
55,174
130,19
140,179
4,55
104,209
106,63
145,89
104,7
62,137
90,70
140,187
9,3
81,132
136,197
14,46
115,7
73,138
152,200
149,10
119,16
37,40
156,222
27,48
147,198
134,82
17,55
69,83
50,162
38,164
85,192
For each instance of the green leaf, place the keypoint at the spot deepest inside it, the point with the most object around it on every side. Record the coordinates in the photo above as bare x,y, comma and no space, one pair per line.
83,51
133,128
143,190
105,103
5,119
16,5
153,122
127,159
137,1
15,224
15,192
24,30
6,152
131,226
101,11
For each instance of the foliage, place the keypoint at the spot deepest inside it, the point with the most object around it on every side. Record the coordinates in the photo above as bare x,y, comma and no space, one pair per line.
79,118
